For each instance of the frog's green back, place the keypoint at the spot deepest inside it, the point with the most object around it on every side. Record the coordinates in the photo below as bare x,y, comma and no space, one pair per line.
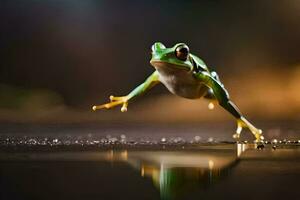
199,62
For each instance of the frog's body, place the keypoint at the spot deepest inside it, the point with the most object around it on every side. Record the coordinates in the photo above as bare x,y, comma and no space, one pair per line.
185,75
180,82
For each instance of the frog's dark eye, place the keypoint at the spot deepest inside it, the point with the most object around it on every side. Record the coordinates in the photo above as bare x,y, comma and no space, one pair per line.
182,52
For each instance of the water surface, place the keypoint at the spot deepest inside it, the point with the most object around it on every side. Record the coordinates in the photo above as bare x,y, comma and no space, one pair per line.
218,171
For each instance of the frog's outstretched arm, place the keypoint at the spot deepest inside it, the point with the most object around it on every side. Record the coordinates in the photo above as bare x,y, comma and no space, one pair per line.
223,98
114,101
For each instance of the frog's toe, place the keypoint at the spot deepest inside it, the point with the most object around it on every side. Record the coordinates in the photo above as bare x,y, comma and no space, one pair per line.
122,98
240,126
107,106
124,107
238,131
259,137
236,136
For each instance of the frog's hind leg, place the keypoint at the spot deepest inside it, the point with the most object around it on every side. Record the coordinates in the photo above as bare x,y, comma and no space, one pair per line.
222,96
210,93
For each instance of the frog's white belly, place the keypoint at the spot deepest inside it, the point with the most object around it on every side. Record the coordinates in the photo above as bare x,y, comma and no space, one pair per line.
180,82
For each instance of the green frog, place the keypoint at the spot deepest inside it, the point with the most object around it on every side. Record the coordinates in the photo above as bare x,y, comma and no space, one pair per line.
185,75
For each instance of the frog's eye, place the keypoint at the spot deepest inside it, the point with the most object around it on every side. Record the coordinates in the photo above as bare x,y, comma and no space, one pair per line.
182,52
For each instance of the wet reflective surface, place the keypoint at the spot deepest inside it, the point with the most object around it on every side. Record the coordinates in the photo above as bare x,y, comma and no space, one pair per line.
212,171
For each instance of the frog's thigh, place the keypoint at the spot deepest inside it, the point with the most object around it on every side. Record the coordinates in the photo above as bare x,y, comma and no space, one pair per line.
210,93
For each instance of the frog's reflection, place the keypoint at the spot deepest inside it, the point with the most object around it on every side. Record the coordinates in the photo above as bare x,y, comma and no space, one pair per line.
176,173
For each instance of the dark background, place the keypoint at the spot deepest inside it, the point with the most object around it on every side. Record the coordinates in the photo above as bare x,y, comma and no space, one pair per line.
59,57
74,53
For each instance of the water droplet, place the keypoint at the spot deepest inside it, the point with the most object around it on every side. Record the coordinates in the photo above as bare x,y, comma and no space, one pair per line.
210,139
197,138
123,136
274,141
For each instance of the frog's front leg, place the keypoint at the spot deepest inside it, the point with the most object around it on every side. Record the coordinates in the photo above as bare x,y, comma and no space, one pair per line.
123,100
222,96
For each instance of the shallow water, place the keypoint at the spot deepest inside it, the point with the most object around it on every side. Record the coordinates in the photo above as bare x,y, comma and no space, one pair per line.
204,171
123,161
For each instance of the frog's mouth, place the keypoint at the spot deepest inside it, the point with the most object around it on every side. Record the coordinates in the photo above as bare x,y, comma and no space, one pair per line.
158,64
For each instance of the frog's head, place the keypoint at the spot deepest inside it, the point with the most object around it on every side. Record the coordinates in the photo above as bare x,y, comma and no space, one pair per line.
176,57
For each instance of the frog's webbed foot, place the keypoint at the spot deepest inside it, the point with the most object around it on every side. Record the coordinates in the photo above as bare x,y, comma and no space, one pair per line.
114,101
243,123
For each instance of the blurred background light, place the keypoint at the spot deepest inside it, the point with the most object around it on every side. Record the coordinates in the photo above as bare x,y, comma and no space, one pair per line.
60,57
